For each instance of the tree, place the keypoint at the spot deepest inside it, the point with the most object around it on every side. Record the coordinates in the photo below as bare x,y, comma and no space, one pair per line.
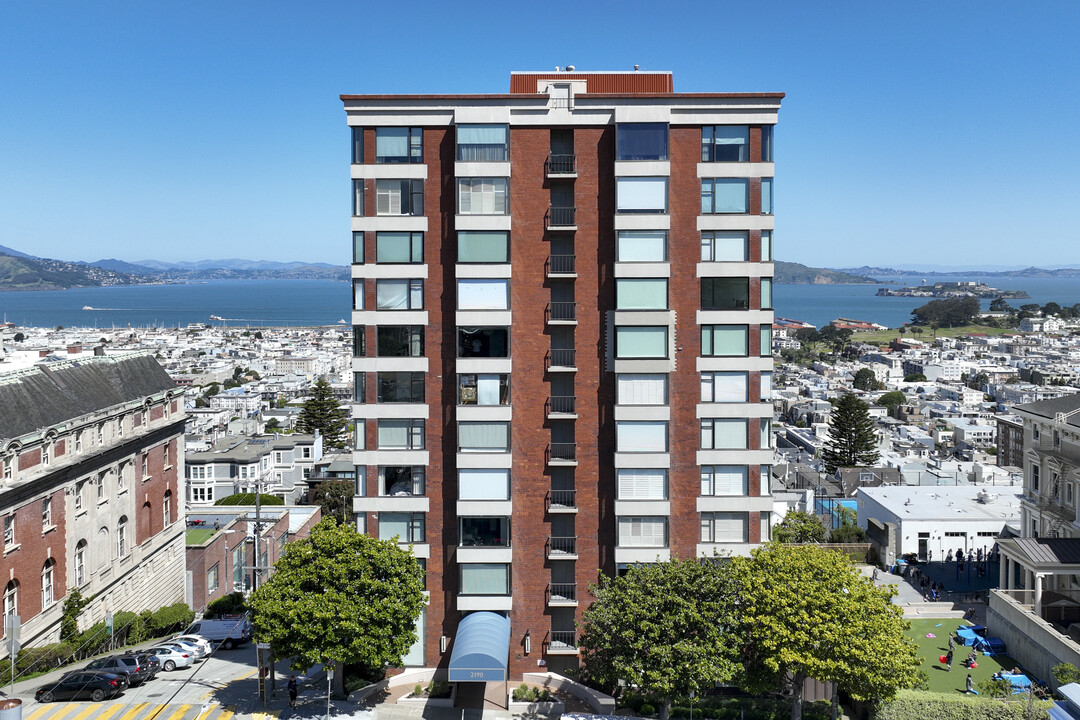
73,607
848,531
838,338
892,400
202,402
340,596
662,627
322,412
19,337
212,389
948,312
799,527
273,424
915,377
1000,305
335,498
808,336
865,379
1051,309
807,612
852,440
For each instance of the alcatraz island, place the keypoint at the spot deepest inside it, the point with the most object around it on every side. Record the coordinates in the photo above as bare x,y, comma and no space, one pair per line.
952,290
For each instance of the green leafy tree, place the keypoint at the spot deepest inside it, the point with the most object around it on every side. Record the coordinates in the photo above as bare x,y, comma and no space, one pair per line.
273,424
322,412
808,336
335,498
1000,305
852,440
799,527
838,338
915,377
662,627
19,337
807,612
1065,673
848,531
73,607
892,400
340,596
865,379
947,312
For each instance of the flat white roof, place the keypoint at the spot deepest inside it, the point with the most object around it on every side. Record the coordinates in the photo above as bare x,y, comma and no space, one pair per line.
937,502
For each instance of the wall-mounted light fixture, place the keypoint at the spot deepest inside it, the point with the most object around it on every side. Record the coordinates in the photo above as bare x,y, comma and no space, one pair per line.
528,643
443,642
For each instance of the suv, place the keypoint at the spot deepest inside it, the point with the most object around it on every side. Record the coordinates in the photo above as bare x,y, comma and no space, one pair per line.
137,672
147,658
230,631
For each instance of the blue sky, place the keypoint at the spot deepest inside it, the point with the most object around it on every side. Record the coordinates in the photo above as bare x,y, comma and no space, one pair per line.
915,132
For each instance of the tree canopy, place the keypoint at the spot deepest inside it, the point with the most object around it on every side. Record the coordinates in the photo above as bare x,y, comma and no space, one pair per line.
662,627
339,595
799,527
892,400
865,379
335,498
947,312
323,413
852,440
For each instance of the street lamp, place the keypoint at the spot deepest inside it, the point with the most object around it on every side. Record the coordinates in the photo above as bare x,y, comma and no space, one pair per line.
225,563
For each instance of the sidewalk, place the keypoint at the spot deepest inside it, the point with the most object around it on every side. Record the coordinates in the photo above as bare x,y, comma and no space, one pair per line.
911,599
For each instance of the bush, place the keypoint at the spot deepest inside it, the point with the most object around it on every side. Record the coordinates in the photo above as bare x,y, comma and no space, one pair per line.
418,690
995,687
249,499
128,628
438,689
646,709
231,604
915,705
524,693
169,619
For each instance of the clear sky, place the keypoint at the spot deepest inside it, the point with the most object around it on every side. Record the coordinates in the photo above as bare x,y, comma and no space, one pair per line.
912,132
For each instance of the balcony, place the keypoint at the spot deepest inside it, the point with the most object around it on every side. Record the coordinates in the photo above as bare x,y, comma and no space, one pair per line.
562,548
561,165
1050,505
562,595
561,218
562,360
562,501
562,407
563,642
562,453
561,313
562,266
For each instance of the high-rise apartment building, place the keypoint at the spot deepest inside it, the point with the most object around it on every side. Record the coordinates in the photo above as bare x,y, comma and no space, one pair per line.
562,352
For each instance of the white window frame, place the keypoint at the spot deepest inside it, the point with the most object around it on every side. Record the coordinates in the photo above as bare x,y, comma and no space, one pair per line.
644,532
725,480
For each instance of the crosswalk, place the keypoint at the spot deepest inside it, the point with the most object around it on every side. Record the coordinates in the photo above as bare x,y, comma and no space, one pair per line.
117,711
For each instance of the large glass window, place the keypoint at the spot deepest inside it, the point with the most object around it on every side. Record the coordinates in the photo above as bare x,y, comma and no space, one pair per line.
643,532
483,437
725,143
405,434
724,387
642,484
723,434
483,196
641,389
766,293
641,194
724,293
359,388
724,196
483,246
633,342
358,248
477,294
641,436
399,294
357,144
484,579
723,527
641,294
484,531
358,198
483,342
765,439
766,341
766,245
483,389
483,143
400,387
399,197
399,145
641,141
725,246
766,143
724,480
399,341
399,247
401,480
766,196
641,246
724,340
766,386
406,527
359,339
358,294
483,484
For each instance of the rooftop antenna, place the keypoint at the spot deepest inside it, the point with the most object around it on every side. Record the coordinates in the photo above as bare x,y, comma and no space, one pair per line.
636,68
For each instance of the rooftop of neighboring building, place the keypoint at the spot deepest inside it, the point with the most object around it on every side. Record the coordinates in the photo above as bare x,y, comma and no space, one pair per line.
1050,408
246,449
936,502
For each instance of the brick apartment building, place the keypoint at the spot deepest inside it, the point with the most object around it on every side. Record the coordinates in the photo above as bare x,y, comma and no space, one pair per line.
562,318
91,458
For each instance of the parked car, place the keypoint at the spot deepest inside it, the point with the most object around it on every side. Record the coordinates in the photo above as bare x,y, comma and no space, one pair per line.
145,657
137,672
205,646
196,651
171,657
228,631
80,684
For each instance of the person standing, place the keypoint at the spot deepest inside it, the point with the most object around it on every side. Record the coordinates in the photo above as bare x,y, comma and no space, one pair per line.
948,660
952,643
292,690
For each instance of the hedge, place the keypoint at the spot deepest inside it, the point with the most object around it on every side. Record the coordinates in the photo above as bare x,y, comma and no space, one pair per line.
249,499
919,705
231,604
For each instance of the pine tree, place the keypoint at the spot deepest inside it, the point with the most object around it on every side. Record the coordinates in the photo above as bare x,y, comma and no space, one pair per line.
852,436
322,412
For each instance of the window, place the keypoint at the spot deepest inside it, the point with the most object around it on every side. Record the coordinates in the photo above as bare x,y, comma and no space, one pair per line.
399,247
165,455
650,436
766,386
724,340
358,198
11,600
725,293
399,294
723,434
483,196
46,513
121,537
166,509
641,389
484,531
357,145
399,145
78,439
305,453
47,591
483,437
642,484
406,527
9,531
767,143
485,579
635,342
99,484
202,494
359,341
8,463
483,143
483,246
399,197
766,196
483,342
725,143
1034,486
765,440
146,466
359,387
643,532
239,560
641,141
766,293
121,481
483,389
641,246
401,434
212,579
101,434
46,451
400,387
401,480
476,294
641,194
765,348
641,294
358,248
725,246
723,527
724,196
399,341
483,484
724,387
80,563
80,490
724,480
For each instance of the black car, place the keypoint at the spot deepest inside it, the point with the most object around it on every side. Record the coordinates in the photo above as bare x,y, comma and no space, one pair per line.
149,659
81,683
137,671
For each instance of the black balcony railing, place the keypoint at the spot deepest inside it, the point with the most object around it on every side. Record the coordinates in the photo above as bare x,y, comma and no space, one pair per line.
561,404
562,499
562,265
562,452
562,311
562,546
562,357
562,592
561,217
563,639
561,164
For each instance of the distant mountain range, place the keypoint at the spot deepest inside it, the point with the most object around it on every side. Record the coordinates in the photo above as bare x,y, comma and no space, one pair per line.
1057,271
789,273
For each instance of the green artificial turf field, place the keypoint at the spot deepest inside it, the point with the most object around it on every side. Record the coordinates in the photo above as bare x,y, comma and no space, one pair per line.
931,649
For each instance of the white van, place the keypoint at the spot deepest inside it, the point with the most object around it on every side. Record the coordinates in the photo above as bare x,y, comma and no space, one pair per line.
230,631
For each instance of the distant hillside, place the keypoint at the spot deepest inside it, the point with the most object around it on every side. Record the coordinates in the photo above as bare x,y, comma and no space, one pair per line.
14,253
880,272
124,267
789,273
26,273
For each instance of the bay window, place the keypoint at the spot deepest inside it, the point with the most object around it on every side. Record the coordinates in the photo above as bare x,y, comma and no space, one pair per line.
766,386
766,245
358,198
725,246
483,342
399,294
483,246
636,341
723,434
399,341
484,579
405,434
641,294
400,387
641,246
483,437
767,143
358,248
766,293
483,143
766,340
483,294
483,389
724,340
725,293
725,143
721,196
401,480
357,145
642,484
399,197
483,484
406,527
724,480
483,196
723,527
358,294
767,196
399,247
649,436
724,387
641,141
643,532
641,389
641,195
399,145
484,531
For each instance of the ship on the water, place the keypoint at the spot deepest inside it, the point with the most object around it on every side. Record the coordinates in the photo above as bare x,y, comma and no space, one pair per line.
952,290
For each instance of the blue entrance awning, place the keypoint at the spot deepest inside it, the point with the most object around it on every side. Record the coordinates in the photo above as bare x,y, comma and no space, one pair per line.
481,648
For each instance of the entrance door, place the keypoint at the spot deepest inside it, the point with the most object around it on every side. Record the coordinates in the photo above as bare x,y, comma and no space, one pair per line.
923,544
